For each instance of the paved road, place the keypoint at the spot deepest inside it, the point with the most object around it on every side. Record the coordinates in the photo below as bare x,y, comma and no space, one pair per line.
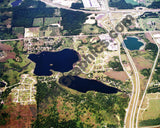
149,80
99,12
25,38
132,107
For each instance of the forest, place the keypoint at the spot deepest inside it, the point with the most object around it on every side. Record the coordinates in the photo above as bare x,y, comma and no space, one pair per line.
64,108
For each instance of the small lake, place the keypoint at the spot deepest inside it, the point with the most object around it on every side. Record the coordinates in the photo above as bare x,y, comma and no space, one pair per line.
61,61
2,84
132,43
133,2
16,3
84,85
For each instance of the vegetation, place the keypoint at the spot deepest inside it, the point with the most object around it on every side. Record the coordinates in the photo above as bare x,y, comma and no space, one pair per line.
153,89
24,17
156,75
153,48
12,69
155,5
116,65
121,4
92,29
77,5
65,108
150,122
146,72
72,21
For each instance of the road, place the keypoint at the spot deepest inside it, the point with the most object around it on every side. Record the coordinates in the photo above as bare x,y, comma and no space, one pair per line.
132,107
99,12
149,80
25,38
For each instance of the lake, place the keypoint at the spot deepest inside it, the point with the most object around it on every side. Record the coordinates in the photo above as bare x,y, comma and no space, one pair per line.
2,84
84,85
133,2
16,3
132,43
61,61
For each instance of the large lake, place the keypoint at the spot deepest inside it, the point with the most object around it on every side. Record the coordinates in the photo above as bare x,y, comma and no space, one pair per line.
132,43
61,61
84,85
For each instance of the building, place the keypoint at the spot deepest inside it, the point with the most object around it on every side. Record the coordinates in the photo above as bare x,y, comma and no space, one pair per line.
91,4
95,4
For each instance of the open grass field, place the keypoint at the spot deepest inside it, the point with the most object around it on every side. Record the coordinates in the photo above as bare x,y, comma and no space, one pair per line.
51,20
91,29
153,111
121,75
37,22
150,116
147,24
18,30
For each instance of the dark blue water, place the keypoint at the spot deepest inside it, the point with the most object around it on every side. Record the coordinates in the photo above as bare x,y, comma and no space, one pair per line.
16,3
133,43
2,84
61,61
84,85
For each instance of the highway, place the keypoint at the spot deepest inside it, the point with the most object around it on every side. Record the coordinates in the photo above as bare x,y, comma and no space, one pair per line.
131,119
100,11
132,107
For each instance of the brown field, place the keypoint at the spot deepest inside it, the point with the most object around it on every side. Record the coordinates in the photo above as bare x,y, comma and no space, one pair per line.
5,47
21,116
142,63
148,36
117,75
10,55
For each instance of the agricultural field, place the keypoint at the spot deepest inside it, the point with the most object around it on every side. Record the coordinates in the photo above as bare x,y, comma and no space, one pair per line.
18,30
51,20
37,22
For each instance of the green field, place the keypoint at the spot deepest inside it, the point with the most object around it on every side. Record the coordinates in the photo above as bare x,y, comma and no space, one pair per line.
38,22
92,29
18,30
151,116
51,20
148,25
153,110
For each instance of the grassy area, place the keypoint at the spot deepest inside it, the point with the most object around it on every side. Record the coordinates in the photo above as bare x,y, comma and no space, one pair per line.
18,30
150,24
51,20
37,22
92,29
12,68
153,110
150,122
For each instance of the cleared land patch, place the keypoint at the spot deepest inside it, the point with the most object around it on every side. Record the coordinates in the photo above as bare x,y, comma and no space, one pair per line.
117,75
